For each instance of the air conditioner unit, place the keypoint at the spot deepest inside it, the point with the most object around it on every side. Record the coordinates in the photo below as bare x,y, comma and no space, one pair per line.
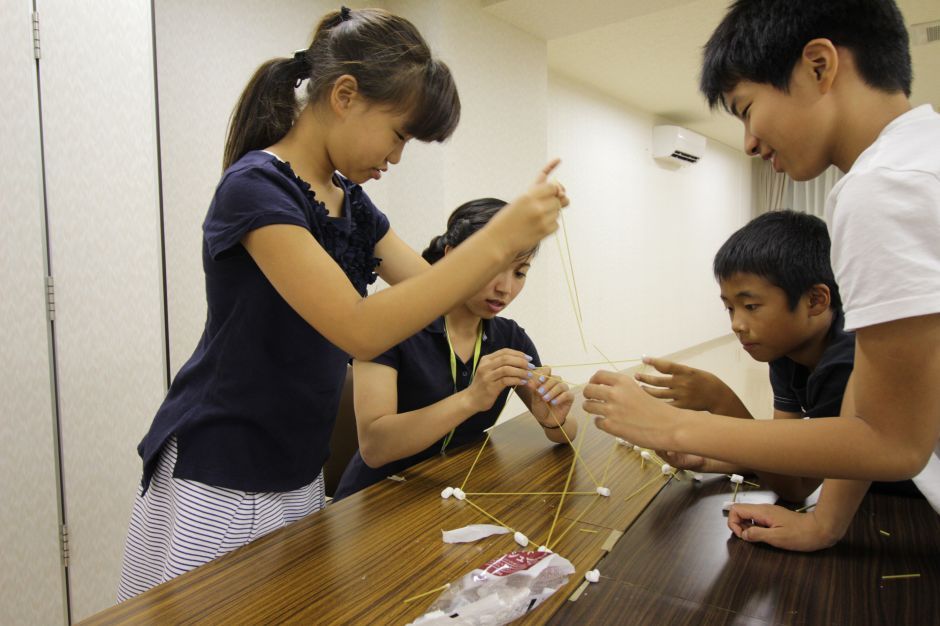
677,145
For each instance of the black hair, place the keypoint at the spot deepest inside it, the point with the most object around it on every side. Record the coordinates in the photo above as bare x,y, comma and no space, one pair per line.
761,41
385,53
786,248
467,219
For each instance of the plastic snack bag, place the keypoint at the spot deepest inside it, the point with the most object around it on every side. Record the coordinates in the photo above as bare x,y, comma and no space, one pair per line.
503,590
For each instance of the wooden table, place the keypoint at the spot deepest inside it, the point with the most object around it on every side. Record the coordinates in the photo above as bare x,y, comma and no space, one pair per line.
358,560
679,564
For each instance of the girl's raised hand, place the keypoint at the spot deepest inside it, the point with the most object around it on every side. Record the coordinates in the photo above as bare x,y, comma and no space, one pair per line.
496,371
532,216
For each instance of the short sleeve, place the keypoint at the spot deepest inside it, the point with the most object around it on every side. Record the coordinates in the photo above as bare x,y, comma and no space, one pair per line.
390,358
885,228
247,199
528,347
785,400
378,221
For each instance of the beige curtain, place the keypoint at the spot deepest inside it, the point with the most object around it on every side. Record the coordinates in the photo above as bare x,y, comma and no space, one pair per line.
769,187
810,196
773,191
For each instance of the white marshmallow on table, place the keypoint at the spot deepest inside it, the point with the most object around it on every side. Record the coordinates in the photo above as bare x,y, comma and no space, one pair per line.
459,494
448,492
521,539
623,442
592,576
737,479
667,468
544,549
636,448
604,491
646,455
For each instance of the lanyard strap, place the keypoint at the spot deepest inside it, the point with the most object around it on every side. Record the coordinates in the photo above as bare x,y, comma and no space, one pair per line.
453,368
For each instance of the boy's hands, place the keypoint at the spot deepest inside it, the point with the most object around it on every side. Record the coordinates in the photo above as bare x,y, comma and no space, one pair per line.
625,411
551,399
780,527
496,371
685,387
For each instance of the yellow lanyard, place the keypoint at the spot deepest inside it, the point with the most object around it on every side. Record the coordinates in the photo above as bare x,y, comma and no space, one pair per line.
453,369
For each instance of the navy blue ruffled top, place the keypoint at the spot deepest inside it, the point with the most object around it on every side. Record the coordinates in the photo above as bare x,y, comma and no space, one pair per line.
254,406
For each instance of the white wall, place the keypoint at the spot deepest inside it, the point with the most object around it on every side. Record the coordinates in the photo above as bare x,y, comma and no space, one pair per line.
642,237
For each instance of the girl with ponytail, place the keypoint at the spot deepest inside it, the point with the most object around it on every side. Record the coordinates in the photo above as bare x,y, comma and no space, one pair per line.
445,385
290,243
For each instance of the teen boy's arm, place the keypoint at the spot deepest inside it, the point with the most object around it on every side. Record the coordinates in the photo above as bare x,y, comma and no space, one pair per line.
890,436
805,532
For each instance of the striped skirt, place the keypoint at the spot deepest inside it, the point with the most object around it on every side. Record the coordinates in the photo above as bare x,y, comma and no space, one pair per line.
181,524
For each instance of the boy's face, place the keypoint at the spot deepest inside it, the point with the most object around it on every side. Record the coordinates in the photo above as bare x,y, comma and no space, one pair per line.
790,129
761,317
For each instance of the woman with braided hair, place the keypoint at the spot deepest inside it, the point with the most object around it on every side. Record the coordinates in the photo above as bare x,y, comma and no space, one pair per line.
444,386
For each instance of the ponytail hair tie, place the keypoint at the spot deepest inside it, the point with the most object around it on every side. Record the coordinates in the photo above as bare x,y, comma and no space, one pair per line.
302,61
345,14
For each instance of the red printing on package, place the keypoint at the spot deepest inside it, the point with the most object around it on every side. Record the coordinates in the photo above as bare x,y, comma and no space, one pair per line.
513,562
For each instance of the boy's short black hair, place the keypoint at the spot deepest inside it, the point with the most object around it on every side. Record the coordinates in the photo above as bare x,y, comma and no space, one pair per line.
786,248
761,41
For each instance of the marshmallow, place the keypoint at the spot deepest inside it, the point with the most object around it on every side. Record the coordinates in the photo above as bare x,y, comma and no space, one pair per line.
636,448
459,494
623,442
592,576
521,539
737,479
544,549
604,491
448,492
646,455
667,468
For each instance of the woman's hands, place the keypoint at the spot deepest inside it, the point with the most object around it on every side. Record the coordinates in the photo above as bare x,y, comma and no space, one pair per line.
496,371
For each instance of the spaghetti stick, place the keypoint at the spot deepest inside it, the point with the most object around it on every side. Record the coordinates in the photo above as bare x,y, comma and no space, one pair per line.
475,460
531,493
574,523
563,366
577,454
427,593
574,460
571,295
574,281
641,488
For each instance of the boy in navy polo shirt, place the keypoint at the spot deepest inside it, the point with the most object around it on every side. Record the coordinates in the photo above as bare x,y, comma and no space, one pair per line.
777,286
448,383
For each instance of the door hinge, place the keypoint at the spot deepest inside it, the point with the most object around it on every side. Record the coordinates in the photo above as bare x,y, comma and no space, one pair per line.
50,297
37,52
65,545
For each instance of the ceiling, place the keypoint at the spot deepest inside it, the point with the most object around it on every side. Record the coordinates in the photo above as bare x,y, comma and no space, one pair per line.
647,53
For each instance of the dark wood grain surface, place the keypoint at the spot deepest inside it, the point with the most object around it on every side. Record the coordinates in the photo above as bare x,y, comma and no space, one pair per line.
358,560
679,564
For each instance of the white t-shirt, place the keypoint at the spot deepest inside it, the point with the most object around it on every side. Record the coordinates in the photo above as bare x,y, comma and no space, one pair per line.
885,220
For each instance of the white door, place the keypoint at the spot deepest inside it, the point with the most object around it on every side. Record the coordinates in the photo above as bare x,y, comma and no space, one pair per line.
32,579
102,198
